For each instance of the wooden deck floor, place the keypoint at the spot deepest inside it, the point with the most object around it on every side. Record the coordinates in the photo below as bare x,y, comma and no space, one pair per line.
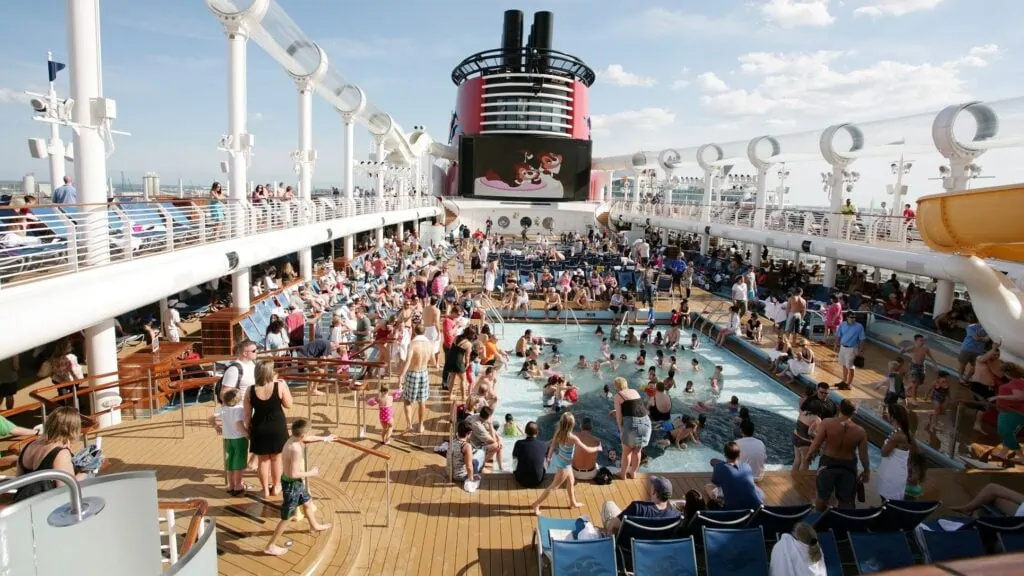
436,528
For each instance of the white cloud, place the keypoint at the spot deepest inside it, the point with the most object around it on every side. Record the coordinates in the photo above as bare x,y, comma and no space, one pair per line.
882,8
256,117
616,75
682,82
8,96
664,22
811,84
797,13
710,82
643,119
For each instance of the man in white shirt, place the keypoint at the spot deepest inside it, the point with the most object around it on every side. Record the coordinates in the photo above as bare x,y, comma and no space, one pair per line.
643,251
739,295
752,450
172,329
241,373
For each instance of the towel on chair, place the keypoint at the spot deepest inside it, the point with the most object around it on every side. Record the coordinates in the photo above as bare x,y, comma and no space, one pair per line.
791,558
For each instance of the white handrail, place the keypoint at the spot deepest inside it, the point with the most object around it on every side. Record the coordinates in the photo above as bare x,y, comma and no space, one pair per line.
579,329
491,308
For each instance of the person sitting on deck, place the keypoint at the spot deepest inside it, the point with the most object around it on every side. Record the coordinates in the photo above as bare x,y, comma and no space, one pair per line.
529,455
732,482
657,505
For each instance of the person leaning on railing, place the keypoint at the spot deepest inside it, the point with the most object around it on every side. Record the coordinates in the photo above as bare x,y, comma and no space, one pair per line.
52,451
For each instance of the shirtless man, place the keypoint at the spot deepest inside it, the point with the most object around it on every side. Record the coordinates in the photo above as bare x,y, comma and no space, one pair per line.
987,375
797,307
552,303
523,344
584,464
919,352
415,378
843,443
432,328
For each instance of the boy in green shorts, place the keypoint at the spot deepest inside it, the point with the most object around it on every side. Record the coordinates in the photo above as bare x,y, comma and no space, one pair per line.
236,441
294,491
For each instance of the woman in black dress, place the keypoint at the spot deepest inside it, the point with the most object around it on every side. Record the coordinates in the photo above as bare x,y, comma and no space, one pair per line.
264,406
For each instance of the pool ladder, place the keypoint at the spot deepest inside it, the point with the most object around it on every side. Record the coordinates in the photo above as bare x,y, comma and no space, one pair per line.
710,316
493,309
570,313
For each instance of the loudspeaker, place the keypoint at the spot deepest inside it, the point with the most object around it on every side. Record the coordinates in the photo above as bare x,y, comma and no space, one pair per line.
37,147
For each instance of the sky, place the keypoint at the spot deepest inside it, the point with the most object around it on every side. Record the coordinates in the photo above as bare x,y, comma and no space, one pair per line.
671,73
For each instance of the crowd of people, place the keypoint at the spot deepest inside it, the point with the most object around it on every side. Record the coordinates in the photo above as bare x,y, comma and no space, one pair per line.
418,319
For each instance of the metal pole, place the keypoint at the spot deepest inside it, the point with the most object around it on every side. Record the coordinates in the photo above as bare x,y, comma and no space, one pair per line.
237,110
956,425
305,167
56,146
387,490
183,413
152,401
348,159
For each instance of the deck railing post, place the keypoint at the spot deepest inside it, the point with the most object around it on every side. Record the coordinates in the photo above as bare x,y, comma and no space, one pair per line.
387,491
149,383
182,413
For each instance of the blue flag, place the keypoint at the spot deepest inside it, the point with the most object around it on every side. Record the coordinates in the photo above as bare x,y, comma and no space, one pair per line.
55,67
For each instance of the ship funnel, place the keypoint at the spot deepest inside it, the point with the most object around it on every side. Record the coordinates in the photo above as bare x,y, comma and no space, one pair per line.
542,29
512,40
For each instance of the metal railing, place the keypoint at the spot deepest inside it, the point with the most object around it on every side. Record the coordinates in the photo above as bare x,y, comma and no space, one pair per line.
41,241
864,228
492,308
570,313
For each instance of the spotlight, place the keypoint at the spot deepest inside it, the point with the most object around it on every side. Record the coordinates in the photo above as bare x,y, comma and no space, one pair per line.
38,105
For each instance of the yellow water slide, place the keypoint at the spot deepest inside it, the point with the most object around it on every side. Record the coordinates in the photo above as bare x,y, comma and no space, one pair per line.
987,222
976,225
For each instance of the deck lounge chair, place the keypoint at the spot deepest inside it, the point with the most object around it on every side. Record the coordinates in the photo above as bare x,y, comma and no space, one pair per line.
542,536
776,520
649,529
842,522
735,552
583,557
664,557
942,546
1010,542
721,519
878,552
903,515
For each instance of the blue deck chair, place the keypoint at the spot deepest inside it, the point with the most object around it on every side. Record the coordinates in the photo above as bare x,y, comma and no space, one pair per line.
542,537
583,557
252,332
1010,542
719,519
735,552
903,515
942,546
878,552
991,527
830,551
776,520
664,557
842,522
649,529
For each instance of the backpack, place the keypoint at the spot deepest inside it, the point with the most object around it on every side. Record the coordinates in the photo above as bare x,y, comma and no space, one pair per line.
604,476
219,386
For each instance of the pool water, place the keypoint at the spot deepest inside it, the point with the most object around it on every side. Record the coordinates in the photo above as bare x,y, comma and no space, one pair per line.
773,407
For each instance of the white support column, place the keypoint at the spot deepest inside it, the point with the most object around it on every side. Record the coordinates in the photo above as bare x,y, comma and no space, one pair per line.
91,173
237,110
305,153
349,154
101,358
380,173
760,208
835,220
350,245
380,237
943,297
398,231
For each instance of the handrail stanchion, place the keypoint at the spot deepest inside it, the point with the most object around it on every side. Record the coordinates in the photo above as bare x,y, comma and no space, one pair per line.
182,412
152,400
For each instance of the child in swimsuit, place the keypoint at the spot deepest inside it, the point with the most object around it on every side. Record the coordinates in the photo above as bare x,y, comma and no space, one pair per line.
917,468
659,358
939,394
641,358
385,412
511,428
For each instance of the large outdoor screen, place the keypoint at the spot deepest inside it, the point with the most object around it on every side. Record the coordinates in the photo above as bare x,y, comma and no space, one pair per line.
524,168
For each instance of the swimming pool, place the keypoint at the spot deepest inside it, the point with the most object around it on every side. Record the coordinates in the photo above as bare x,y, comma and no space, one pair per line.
773,407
